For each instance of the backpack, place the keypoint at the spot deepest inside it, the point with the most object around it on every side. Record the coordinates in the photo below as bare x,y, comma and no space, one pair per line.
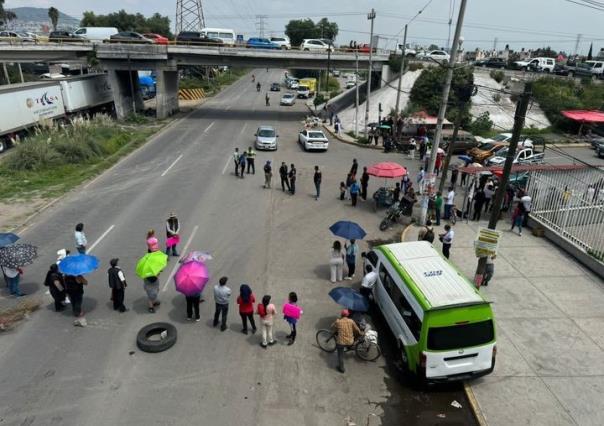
267,169
261,310
429,236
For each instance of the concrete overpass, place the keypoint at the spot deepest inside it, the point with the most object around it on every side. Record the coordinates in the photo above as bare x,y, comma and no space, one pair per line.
123,60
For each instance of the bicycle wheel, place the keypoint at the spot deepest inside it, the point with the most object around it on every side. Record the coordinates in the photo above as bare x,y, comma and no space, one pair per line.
326,340
368,351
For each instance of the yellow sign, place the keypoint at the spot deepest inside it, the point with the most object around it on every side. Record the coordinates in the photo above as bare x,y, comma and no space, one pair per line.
487,242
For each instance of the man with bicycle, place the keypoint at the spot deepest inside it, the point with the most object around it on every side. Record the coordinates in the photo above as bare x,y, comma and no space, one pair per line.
346,331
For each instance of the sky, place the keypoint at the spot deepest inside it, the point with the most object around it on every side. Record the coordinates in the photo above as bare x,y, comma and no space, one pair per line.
519,23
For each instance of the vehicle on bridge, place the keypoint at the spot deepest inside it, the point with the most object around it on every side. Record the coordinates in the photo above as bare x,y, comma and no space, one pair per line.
266,138
261,43
593,69
492,63
313,140
315,44
197,38
282,42
16,37
435,55
443,326
225,35
96,34
65,37
131,37
157,38
288,99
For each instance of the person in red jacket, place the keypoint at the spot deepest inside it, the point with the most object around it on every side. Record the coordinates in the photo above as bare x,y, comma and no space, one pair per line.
246,302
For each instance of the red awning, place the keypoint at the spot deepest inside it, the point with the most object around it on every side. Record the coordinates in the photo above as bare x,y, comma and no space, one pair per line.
583,116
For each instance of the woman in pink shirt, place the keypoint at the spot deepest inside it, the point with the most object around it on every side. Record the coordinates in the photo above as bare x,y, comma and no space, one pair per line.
152,241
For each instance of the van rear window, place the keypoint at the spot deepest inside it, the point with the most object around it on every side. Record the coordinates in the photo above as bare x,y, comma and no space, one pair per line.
460,336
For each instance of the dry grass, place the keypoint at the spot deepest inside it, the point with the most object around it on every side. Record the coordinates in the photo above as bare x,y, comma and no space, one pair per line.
9,318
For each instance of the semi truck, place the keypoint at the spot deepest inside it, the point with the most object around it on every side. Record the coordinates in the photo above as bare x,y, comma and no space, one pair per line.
26,105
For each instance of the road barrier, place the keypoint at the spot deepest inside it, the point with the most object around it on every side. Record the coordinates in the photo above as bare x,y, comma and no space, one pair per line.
191,94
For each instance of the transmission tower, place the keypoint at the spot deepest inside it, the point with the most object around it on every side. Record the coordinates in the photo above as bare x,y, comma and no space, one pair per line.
189,16
261,24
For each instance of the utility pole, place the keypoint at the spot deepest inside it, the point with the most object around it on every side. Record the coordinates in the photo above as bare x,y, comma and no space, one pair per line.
443,176
495,46
519,116
577,43
328,64
371,17
356,87
189,16
442,110
402,71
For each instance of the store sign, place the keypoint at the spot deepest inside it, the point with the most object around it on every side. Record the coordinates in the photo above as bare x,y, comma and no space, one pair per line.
487,242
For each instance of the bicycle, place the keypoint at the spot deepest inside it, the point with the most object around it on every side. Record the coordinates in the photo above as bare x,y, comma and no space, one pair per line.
365,347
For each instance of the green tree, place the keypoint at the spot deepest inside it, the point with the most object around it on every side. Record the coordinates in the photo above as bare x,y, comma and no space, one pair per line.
327,29
299,29
124,21
482,125
53,14
5,15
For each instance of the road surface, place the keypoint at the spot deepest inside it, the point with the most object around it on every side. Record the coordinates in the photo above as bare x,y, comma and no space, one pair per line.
54,373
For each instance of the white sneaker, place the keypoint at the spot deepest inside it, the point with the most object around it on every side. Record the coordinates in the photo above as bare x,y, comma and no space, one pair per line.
348,278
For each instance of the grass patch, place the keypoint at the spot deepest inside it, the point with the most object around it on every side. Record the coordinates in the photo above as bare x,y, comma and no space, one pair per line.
56,159
213,85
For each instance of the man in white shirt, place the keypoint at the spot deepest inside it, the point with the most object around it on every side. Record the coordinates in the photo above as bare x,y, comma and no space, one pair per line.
447,239
449,201
369,281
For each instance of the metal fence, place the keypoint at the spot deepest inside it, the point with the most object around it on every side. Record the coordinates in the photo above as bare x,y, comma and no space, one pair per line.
570,203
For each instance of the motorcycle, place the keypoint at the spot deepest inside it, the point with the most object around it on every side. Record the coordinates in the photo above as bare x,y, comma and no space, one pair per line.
392,216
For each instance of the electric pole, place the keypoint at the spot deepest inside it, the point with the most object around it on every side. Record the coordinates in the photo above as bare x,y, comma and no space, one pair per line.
577,43
261,24
189,16
519,116
441,112
371,17
443,176
356,88
402,71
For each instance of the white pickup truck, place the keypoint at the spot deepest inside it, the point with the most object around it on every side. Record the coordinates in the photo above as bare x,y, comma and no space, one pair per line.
523,156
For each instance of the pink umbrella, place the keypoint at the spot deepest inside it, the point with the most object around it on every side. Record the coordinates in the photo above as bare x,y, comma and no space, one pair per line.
191,278
387,170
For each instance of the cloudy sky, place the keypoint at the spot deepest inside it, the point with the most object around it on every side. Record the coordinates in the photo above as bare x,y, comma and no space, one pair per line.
520,23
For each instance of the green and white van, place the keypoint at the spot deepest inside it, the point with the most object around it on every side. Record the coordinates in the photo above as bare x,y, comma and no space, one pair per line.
444,328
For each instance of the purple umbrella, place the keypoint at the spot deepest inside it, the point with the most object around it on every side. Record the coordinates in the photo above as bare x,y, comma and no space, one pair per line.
191,278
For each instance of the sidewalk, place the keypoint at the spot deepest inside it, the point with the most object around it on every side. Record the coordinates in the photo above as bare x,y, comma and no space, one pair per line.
549,312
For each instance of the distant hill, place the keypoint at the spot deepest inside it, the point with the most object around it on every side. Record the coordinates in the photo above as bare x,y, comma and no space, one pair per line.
40,15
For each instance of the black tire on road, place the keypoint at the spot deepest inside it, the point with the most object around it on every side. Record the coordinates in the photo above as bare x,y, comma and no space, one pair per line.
149,338
326,340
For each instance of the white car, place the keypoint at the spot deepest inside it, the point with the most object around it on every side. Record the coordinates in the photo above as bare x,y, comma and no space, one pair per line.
437,55
313,139
266,138
282,42
524,142
314,44
288,99
292,83
13,36
350,84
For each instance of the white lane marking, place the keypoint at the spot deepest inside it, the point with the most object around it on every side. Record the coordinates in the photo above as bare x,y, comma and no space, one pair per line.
171,165
99,239
209,127
183,251
224,169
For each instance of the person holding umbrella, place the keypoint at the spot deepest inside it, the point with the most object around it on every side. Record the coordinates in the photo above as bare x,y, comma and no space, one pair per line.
12,258
352,250
117,284
190,280
74,285
346,331
246,302
56,285
148,269
13,275
172,234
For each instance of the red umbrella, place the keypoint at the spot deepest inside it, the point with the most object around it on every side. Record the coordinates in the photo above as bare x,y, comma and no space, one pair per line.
387,170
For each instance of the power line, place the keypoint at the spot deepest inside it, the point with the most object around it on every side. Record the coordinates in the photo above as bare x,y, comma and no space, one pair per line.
589,4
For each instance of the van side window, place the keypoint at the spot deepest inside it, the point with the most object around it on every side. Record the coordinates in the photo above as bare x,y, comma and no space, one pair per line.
407,312
387,281
372,258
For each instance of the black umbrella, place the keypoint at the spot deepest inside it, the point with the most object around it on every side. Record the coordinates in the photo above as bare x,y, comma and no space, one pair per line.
17,255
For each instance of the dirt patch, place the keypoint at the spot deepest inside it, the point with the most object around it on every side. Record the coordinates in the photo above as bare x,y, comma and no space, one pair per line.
9,318
14,213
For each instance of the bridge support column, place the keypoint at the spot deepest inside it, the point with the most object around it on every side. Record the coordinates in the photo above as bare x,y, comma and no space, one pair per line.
167,92
127,95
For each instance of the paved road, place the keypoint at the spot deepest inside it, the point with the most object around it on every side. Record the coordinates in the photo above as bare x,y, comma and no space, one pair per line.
55,373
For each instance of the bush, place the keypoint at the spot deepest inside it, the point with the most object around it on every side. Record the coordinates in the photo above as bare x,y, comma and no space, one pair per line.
496,97
482,125
497,75
334,93
32,155
319,99
415,66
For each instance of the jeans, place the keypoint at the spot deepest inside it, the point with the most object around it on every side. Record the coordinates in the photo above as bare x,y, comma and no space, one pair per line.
318,189
267,333
292,186
242,167
236,168
284,183
13,285
224,310
245,318
351,268
447,211
446,250
81,249
340,349
193,305
173,249
354,199
117,295
251,166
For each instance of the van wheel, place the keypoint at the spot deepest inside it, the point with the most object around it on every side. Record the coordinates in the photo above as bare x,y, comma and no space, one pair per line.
307,49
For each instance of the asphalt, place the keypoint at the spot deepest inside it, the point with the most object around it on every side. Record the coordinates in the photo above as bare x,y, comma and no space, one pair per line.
55,373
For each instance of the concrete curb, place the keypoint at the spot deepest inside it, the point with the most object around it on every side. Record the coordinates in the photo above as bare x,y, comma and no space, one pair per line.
480,419
338,137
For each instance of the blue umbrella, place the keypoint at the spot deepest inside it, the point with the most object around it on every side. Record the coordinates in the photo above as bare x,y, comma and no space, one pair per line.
350,299
7,238
348,230
80,264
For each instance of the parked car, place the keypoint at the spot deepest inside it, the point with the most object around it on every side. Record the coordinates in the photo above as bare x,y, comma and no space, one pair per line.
65,37
282,42
157,38
17,37
261,43
600,149
523,156
313,139
197,38
485,150
303,91
463,142
288,99
312,44
492,63
536,64
436,55
130,37
266,138
560,70
592,69
275,87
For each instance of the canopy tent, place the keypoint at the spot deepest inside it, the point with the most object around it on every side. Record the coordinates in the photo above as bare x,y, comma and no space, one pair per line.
584,116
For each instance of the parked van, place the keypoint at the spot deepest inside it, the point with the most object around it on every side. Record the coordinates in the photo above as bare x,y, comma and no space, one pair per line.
444,328
311,83
537,64
226,35
96,34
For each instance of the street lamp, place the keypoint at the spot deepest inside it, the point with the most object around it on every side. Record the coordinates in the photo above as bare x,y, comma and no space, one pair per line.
371,17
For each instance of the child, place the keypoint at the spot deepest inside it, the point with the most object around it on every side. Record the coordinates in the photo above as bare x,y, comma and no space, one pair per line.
397,192
517,217
291,314
342,190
